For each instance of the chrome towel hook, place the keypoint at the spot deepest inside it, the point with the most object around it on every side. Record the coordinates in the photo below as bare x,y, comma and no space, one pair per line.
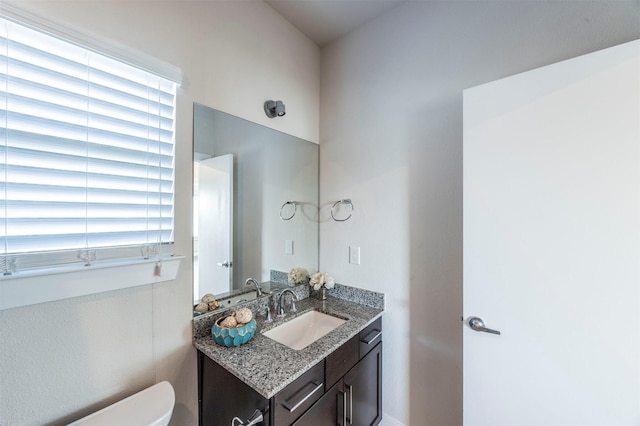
345,201
295,209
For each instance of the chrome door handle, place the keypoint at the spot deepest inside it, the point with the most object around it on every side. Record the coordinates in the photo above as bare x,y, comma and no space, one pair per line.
292,406
344,408
350,418
478,325
366,341
226,264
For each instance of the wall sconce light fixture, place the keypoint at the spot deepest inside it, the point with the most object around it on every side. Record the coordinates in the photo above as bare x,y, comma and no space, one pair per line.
274,109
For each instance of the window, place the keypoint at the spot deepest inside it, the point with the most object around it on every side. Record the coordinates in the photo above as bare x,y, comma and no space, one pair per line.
86,155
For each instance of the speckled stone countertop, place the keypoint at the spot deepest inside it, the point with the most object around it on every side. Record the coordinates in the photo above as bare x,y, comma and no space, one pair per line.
268,366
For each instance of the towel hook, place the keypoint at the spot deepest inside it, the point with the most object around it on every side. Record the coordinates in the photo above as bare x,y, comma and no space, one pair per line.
345,201
295,209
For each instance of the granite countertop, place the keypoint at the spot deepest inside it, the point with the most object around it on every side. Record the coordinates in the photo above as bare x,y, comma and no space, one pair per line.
268,366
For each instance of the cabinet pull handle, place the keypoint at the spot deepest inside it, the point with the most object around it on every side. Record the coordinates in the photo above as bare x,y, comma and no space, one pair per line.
350,387
368,341
344,408
292,406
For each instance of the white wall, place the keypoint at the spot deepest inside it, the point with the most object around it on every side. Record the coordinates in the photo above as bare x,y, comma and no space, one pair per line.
61,360
391,140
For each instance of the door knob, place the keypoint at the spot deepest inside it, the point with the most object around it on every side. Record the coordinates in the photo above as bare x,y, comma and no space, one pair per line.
478,325
226,264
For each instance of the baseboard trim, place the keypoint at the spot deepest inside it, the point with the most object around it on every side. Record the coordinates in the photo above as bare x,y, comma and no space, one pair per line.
390,421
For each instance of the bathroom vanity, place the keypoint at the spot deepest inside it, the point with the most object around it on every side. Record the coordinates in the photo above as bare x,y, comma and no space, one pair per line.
336,380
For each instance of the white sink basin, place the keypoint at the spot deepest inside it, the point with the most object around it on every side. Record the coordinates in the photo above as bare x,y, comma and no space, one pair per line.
302,331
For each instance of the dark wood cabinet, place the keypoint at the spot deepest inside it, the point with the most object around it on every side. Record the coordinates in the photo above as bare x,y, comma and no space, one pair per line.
353,375
222,396
362,385
344,389
356,399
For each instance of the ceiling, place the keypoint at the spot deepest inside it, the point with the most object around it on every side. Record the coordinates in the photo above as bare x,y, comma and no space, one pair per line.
324,21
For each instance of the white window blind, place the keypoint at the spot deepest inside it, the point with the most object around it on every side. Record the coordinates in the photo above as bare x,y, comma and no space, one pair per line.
86,154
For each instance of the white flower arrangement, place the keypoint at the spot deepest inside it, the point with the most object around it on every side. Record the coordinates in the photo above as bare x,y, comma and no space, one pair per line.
321,279
298,275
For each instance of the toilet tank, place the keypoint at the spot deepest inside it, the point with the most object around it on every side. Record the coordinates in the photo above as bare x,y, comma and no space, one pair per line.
152,406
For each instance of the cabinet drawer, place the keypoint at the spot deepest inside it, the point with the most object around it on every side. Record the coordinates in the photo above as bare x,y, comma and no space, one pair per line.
370,337
292,401
341,361
329,410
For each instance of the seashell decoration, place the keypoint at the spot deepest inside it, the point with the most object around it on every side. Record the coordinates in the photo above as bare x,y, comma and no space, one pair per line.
201,307
208,298
243,316
229,322
238,318
207,303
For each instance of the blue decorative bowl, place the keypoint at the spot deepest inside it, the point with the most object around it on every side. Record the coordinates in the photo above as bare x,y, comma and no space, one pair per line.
233,336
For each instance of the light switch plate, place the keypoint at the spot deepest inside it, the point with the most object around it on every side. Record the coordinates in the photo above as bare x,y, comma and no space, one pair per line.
354,255
288,247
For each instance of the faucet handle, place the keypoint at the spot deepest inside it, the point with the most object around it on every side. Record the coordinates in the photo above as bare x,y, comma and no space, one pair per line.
267,315
279,305
293,306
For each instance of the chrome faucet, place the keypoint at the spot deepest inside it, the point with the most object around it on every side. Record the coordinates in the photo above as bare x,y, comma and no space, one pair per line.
294,298
256,283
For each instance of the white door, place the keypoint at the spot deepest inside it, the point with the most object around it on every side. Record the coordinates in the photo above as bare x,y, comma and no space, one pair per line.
552,244
215,221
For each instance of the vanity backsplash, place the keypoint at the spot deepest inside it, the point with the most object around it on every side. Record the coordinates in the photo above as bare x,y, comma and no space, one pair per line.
357,295
279,277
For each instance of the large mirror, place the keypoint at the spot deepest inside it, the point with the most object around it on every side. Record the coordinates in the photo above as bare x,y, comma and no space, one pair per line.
255,203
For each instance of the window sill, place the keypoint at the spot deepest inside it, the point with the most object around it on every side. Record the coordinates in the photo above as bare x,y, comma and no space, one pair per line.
46,285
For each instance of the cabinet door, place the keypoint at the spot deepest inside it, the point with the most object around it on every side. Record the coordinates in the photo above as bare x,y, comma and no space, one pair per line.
222,396
328,410
363,386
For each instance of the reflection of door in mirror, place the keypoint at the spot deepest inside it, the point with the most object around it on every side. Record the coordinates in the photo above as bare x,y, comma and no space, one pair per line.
214,199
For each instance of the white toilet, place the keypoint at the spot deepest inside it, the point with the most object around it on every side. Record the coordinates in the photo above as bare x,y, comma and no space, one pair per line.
152,406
